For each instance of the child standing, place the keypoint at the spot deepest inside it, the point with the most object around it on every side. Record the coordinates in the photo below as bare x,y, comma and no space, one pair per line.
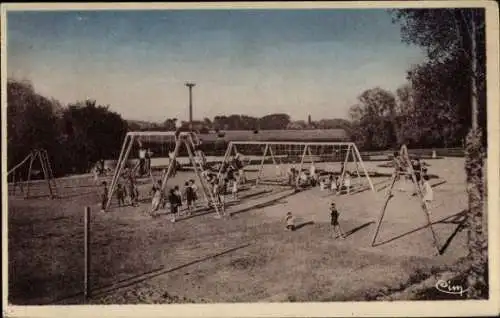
215,190
120,194
333,185
174,204
195,191
96,174
428,193
304,179
156,201
222,193
290,222
133,193
289,174
104,195
347,182
334,221
235,190
312,170
178,193
322,185
188,191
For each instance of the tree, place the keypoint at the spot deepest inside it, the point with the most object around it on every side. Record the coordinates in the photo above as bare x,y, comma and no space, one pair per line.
430,29
373,120
219,122
31,123
92,133
441,94
274,121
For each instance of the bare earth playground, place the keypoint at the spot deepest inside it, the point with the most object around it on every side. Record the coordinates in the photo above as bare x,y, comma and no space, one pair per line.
247,257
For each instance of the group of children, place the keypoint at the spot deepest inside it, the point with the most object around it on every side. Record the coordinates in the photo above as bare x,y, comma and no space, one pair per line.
221,185
335,185
126,194
175,197
304,179
312,178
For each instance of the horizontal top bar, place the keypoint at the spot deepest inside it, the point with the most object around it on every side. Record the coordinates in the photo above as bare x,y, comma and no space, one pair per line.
155,133
325,143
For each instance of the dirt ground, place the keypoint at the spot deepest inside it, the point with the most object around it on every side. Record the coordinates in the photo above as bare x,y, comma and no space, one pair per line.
248,257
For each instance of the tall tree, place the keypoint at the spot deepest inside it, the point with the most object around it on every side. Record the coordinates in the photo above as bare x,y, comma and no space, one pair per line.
373,123
92,133
31,123
451,35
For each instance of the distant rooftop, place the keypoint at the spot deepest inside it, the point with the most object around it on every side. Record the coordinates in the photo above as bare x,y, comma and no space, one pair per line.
275,135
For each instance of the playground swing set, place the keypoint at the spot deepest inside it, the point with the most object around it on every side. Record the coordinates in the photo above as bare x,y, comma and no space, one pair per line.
197,160
37,155
293,152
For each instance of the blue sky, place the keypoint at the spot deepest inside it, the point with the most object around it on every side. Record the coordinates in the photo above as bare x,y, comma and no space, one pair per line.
252,62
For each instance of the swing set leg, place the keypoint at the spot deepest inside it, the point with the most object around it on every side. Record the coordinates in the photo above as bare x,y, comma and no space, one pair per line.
384,207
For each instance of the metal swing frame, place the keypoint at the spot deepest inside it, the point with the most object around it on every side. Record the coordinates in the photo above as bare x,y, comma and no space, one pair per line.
43,158
306,151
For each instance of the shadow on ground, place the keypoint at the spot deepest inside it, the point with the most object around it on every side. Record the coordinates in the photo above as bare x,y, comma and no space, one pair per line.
458,218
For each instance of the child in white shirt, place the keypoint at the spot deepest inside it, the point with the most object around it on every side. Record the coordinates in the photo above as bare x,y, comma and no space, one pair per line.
347,182
235,190
333,185
427,192
290,222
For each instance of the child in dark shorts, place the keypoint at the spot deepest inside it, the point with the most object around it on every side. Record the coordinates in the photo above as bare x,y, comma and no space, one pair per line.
334,221
104,195
189,193
195,191
175,202
290,222
120,194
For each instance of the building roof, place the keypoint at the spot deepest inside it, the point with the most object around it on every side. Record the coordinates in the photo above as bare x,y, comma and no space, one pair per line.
278,135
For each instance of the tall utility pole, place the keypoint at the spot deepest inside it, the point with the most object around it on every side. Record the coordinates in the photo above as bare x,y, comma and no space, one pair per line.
190,86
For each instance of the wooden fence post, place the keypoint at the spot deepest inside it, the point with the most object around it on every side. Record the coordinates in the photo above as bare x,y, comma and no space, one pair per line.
86,273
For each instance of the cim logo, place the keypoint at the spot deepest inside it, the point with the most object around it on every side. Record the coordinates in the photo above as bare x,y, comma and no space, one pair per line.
448,288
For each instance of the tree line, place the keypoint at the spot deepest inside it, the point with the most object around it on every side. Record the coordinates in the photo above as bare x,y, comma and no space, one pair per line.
277,121
78,135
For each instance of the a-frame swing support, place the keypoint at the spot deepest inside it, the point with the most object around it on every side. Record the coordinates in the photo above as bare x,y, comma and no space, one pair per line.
42,156
395,177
